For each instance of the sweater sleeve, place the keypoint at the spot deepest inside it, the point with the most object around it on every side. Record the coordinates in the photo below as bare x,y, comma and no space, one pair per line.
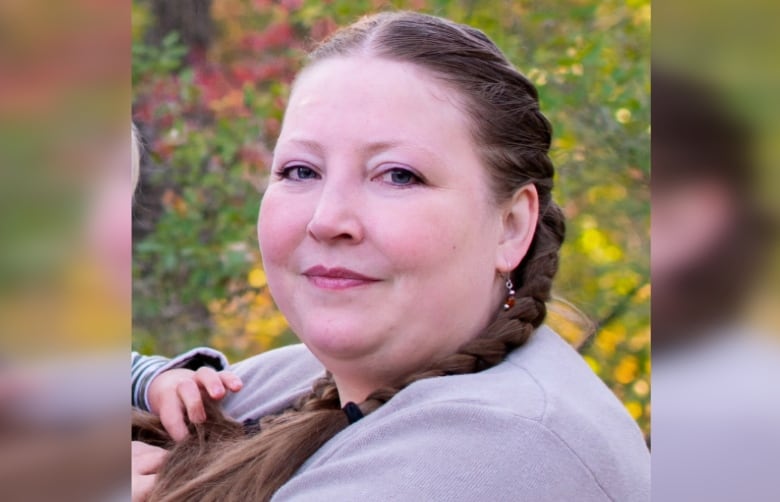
144,369
273,381
445,452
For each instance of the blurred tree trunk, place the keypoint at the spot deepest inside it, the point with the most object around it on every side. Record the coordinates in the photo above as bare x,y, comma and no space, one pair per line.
190,18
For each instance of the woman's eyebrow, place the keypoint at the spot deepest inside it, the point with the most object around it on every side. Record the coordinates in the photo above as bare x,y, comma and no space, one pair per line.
307,144
366,150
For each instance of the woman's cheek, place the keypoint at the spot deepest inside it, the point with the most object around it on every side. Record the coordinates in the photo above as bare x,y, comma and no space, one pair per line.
424,238
275,227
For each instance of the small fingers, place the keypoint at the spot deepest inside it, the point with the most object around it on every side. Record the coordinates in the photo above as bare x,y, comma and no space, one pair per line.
172,418
217,382
231,380
209,379
190,396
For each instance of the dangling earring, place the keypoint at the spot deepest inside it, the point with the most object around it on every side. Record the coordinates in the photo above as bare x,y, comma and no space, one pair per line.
510,295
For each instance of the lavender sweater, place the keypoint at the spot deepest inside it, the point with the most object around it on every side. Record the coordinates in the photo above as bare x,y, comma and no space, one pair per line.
541,426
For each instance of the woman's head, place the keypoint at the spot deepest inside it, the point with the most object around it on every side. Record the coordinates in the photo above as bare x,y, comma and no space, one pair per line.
408,179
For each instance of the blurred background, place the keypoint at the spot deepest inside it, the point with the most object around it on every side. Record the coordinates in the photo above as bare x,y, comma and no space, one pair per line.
210,81
65,231
715,215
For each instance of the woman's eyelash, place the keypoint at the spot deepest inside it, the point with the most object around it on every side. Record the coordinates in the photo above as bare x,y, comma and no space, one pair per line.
296,172
401,177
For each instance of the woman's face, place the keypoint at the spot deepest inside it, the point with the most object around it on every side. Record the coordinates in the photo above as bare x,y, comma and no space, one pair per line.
379,235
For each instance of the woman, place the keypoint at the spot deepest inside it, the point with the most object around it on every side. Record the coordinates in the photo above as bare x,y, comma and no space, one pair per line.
409,237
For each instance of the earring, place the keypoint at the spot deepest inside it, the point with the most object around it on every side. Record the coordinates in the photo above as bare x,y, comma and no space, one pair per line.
510,295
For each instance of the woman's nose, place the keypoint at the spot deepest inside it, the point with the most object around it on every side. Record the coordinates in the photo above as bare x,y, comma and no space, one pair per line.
336,217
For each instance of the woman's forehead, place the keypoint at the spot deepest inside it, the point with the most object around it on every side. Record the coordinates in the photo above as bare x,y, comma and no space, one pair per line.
375,99
359,78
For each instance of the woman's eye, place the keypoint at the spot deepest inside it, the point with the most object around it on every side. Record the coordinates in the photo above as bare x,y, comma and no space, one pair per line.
298,173
400,177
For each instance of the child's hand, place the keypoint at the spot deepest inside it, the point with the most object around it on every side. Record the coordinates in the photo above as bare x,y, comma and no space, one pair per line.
146,460
175,391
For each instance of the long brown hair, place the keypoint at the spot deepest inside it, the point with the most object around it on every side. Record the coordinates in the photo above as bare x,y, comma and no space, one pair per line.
219,461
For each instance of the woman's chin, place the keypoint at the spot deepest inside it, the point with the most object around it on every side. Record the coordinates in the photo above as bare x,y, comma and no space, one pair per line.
338,343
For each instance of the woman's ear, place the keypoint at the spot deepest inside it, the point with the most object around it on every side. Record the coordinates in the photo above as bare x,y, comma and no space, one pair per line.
518,219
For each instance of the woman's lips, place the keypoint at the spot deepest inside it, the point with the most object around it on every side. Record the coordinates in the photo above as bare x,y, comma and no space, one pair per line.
337,278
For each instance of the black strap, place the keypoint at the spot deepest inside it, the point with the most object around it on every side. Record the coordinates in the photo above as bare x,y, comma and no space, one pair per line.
353,412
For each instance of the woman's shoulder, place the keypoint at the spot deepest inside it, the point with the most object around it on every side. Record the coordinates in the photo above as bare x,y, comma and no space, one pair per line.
273,381
445,450
502,434
543,402
545,380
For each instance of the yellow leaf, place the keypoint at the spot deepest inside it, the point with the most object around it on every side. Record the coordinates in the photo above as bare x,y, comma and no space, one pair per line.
626,370
594,365
623,115
257,278
641,387
643,293
634,408
261,301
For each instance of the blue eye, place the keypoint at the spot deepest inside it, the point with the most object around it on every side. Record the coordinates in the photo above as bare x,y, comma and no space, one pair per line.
298,173
401,177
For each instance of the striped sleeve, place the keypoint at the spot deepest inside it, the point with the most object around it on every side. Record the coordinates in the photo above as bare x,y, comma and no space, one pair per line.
145,368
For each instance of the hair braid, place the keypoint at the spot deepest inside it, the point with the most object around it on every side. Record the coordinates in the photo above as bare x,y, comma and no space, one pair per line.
218,461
